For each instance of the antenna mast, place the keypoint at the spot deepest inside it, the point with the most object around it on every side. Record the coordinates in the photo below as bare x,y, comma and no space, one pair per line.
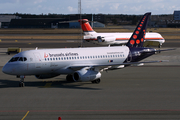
80,17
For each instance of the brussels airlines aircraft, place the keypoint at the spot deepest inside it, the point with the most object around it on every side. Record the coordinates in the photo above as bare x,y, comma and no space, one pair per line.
113,38
81,64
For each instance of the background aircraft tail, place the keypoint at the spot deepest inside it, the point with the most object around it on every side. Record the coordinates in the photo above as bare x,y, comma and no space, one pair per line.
86,27
138,36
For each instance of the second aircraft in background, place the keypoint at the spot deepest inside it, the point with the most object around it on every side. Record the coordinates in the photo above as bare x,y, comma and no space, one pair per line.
151,39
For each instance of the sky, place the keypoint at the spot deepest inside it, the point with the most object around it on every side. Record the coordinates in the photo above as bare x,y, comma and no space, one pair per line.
89,6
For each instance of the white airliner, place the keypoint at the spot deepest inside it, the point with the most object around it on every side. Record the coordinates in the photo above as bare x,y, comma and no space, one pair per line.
81,64
151,39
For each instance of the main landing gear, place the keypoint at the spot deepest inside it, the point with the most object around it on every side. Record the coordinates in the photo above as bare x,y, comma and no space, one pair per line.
97,81
21,82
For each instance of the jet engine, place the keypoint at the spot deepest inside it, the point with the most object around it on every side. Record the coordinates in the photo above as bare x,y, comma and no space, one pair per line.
105,39
86,74
46,76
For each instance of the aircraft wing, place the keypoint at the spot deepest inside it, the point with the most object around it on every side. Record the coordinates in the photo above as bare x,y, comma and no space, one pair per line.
111,65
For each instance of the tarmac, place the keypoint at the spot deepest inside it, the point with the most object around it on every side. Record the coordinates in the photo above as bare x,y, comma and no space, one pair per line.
146,92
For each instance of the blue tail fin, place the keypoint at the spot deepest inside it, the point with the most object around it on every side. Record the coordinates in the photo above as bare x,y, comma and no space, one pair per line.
138,36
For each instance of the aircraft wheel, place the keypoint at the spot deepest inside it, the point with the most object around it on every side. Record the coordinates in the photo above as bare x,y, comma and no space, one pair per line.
21,84
96,81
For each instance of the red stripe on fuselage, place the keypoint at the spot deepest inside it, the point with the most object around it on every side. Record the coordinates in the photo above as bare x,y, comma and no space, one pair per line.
119,39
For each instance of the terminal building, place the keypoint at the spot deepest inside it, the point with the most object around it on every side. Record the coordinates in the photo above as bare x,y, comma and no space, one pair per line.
176,15
47,23
13,21
6,19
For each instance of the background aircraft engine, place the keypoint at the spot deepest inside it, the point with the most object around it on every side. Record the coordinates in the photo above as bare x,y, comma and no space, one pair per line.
86,75
46,76
105,39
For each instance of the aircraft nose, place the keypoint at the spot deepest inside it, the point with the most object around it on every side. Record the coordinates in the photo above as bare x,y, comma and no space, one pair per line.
6,69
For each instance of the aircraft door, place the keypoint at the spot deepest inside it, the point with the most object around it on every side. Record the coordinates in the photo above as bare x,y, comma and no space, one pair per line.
129,58
38,59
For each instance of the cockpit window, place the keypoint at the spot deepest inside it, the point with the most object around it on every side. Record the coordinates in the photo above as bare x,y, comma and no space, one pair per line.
25,58
14,59
20,59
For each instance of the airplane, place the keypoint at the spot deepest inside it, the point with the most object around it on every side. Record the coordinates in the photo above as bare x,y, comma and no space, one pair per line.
81,64
151,38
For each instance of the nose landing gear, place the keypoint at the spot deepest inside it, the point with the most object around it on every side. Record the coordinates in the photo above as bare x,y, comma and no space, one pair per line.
21,82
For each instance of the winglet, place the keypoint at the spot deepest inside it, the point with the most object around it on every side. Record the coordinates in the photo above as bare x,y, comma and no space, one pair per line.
138,36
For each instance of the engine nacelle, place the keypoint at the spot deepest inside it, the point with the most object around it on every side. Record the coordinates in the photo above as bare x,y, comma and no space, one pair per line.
86,75
105,39
46,76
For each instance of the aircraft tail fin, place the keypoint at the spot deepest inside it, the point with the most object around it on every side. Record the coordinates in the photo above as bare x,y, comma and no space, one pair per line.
86,27
138,36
